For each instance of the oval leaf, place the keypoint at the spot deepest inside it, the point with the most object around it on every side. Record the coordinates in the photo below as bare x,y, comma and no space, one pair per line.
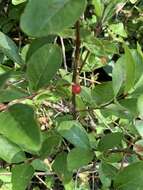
21,176
43,65
9,48
18,125
74,133
10,152
50,16
130,178
110,141
74,160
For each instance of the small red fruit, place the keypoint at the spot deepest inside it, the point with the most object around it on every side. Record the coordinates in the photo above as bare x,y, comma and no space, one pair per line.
76,89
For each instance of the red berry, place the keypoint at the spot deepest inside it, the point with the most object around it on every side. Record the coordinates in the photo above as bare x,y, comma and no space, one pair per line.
76,89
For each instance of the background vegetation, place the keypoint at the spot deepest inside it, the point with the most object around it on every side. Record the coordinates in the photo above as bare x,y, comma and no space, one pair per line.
71,94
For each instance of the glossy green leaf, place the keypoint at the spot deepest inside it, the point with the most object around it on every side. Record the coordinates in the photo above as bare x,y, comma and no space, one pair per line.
43,65
130,104
9,48
10,152
19,125
74,160
129,69
118,74
110,141
130,178
74,133
138,59
60,167
103,93
48,16
38,43
21,176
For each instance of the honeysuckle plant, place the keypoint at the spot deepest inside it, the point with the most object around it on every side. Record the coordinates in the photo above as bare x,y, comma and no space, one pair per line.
71,94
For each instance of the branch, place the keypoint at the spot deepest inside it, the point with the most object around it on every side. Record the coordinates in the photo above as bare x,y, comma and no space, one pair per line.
76,63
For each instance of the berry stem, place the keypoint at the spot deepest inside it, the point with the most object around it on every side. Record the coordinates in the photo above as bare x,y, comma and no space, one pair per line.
76,64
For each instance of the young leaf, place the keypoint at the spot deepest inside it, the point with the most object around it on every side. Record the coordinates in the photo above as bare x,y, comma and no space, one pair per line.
99,7
130,178
43,65
74,133
74,160
110,141
118,29
18,125
21,176
10,152
48,16
9,48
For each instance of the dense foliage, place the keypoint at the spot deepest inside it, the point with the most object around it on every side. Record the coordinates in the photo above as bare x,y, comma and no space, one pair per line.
71,94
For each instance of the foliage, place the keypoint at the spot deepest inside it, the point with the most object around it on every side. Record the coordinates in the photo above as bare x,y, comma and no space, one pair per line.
51,135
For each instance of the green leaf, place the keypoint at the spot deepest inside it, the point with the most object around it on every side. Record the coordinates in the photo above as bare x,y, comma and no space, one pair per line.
21,176
118,75
17,2
130,104
10,152
9,48
60,167
74,133
129,69
140,105
130,178
110,141
103,93
48,16
74,160
19,125
40,165
139,127
99,7
38,43
3,78
106,173
138,59
43,65
50,144
7,95
118,29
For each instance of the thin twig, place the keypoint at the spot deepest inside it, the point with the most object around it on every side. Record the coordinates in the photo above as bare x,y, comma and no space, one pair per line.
76,63
84,61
